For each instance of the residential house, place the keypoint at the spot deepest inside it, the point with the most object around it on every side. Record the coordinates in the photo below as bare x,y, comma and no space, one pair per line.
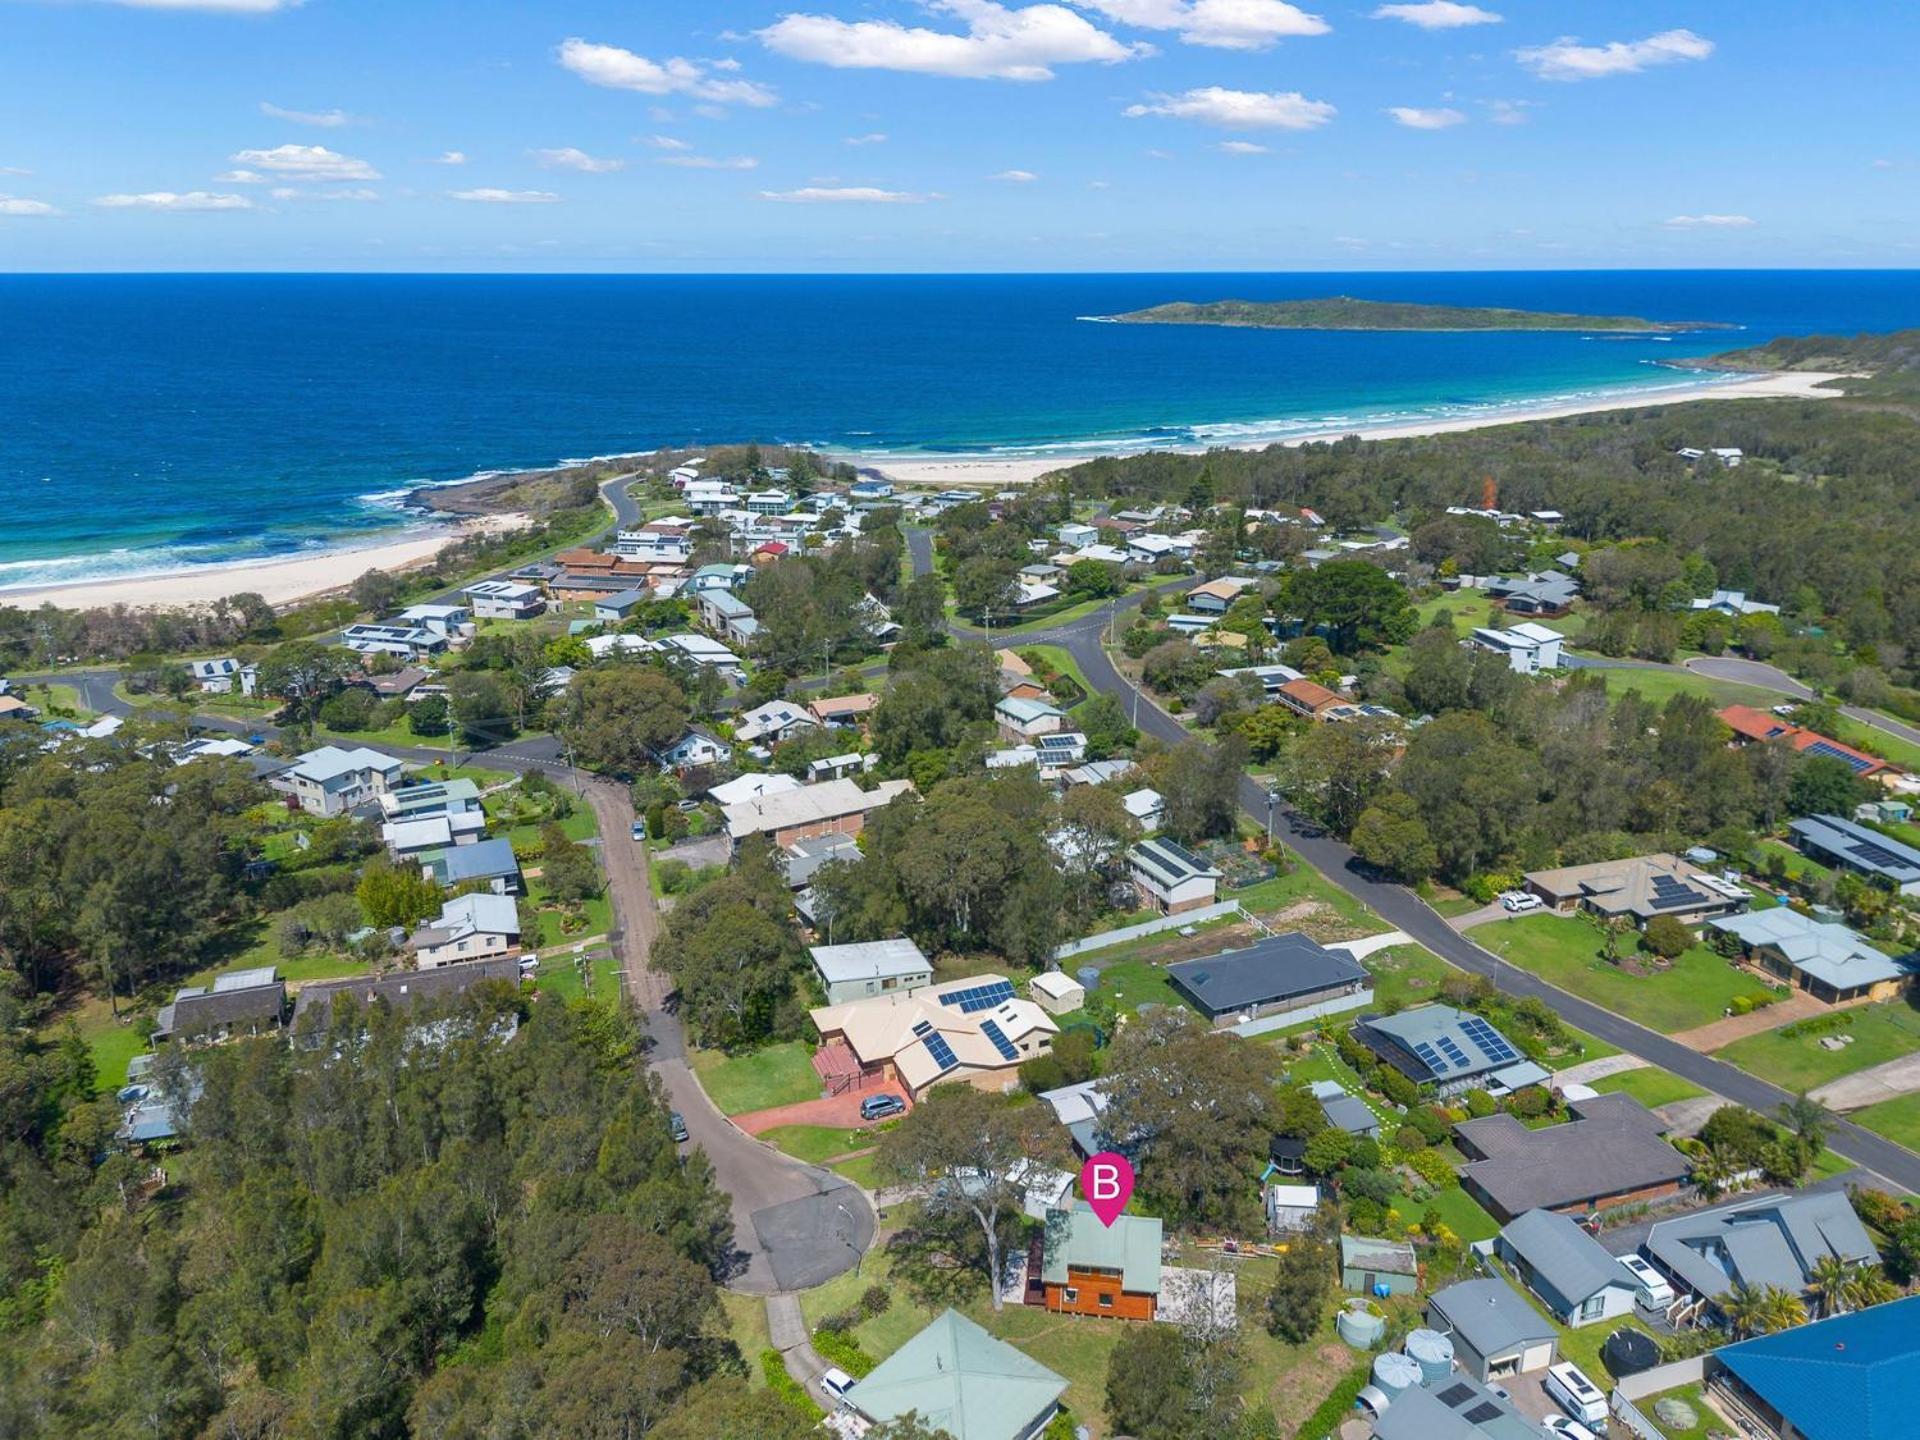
1639,888
1495,1332
315,1007
1090,1268
1568,1271
1103,554
728,616
1731,603
612,609
331,780
451,621
751,787
1346,1111
1825,959
223,676
694,750
469,927
1078,1108
1310,698
396,685
874,967
601,646
1847,1377
1460,1408
976,1031
410,642
423,834
1171,878
1279,974
1367,1263
210,747
12,707
1021,718
959,1381
772,723
803,858
1613,1152
1775,1240
1451,1050
1754,726
1269,677
768,502
844,711
241,1002
1028,593
1852,847
709,497
1291,1208
840,767
1148,808
1060,750
490,861
1150,549
1528,648
456,797
717,577
505,600
654,547
836,805
707,652
870,489
1547,596
1075,536
1216,597
1056,992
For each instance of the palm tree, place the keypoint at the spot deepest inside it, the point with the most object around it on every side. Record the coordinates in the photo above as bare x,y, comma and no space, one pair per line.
1711,1172
1833,1280
1869,1286
1762,1309
1806,1118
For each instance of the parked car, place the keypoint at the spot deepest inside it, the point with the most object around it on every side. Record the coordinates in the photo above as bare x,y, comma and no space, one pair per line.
879,1107
677,1127
1655,1292
1565,1429
1521,902
836,1382
639,831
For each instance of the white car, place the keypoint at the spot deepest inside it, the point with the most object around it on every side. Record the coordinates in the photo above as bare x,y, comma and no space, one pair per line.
837,1382
1655,1292
1520,902
1566,1429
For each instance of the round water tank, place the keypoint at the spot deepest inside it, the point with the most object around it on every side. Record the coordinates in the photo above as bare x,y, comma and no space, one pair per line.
1394,1372
1361,1329
1433,1352
1373,1400
1088,976
1629,1352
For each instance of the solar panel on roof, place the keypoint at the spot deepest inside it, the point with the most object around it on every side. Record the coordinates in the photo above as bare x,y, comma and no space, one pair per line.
1454,1396
991,1029
1488,1041
936,1044
1834,752
1431,1058
979,997
1868,853
1452,1051
1486,1410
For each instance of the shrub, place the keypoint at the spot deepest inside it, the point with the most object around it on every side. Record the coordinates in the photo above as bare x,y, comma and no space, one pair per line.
837,1347
1531,1103
1431,1166
1666,937
1409,1139
657,820
1480,1104
774,1369
1335,1408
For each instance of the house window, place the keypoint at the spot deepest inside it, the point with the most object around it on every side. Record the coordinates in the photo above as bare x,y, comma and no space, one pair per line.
1106,1299
889,984
1592,1307
1071,1295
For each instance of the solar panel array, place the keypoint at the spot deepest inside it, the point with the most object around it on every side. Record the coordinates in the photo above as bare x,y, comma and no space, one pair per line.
1486,1410
1430,1058
1454,1396
937,1046
1452,1051
991,1029
979,997
1669,893
1834,752
1868,853
1488,1041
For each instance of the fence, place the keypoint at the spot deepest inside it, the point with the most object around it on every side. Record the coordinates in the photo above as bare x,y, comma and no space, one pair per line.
1306,1012
1627,1415
1664,1377
1155,926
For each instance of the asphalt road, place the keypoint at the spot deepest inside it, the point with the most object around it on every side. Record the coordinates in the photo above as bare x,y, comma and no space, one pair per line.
1402,909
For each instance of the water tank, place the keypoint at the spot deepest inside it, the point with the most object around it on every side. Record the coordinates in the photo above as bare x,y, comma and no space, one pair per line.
1089,977
1432,1352
1361,1328
1373,1400
1628,1352
1394,1372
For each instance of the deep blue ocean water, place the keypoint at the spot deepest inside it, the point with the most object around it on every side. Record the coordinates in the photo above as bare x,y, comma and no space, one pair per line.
152,422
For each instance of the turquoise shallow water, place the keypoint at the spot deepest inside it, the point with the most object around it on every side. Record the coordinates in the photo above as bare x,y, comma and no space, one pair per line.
153,422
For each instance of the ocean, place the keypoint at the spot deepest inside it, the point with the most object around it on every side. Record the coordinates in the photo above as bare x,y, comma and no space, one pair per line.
154,422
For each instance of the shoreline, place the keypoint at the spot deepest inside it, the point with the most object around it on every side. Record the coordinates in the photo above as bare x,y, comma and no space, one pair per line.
288,580
279,581
963,470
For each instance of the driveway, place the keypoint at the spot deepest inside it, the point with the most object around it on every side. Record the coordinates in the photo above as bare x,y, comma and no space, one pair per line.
1729,1028
1588,1071
842,1112
794,1225
1887,1081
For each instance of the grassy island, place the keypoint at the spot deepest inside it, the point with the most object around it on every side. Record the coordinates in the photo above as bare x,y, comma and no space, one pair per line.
1343,312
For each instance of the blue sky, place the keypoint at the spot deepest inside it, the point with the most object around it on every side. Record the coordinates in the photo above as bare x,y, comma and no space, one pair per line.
872,135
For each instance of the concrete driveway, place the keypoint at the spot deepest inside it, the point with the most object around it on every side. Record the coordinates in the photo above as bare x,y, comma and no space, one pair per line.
1887,1081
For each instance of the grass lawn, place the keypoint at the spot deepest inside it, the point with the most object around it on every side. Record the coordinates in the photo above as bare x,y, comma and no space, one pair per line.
860,1171
60,702
562,975
1879,1033
747,1328
1564,951
1406,975
1131,984
580,825
1650,1086
1318,904
758,1080
1591,1047
1898,1120
1878,742
1468,609
1797,864
1058,657
817,1144
1710,1422
1460,1213
111,1042
597,909
1452,905
1660,686
398,735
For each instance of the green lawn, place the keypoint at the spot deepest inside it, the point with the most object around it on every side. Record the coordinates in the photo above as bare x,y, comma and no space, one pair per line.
569,977
597,909
57,701
1650,1086
1565,951
1460,1212
1709,1424
112,1042
1306,886
1454,905
1131,984
747,1328
394,735
1878,742
1406,975
1062,661
1660,686
1797,864
1898,1120
1879,1033
758,1080
860,1171
817,1144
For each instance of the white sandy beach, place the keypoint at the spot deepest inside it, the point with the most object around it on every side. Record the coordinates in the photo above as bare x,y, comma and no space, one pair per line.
280,582
962,471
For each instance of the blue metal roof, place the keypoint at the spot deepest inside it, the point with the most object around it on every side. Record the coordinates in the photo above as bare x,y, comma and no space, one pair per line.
1854,1377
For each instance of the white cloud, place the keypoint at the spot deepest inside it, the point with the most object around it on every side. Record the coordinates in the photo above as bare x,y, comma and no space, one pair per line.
1567,59
1016,177
1509,112
711,162
240,177
17,205
488,195
567,157
351,192
1415,117
616,69
168,200
1221,24
1710,222
452,157
324,119
668,142
1241,147
999,43
1240,109
844,195
874,138
13,170
1438,15
306,162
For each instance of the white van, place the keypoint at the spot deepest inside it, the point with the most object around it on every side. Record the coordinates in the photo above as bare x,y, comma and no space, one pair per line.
1577,1395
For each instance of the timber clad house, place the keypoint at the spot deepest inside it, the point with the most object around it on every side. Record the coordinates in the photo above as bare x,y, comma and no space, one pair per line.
1087,1268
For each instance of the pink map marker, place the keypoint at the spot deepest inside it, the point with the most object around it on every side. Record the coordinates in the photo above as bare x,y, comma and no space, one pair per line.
1106,1182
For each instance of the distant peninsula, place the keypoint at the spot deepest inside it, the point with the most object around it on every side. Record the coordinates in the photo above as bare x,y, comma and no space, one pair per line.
1343,312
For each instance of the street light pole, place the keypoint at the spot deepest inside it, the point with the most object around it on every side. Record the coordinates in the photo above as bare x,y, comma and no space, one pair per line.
1273,799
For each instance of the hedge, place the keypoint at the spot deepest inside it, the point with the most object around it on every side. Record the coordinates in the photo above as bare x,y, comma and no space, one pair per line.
786,1387
837,1347
1326,1420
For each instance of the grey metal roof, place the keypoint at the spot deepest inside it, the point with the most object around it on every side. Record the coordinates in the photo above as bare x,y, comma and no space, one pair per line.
1866,850
872,959
1771,1241
1563,1255
1400,1039
1350,1113
1613,1146
403,989
1832,953
482,860
1285,967
1170,862
1457,1408
1491,1316
1390,1257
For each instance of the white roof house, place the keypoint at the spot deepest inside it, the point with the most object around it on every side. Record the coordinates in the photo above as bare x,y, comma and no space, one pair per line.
751,787
469,927
1056,992
811,810
601,646
330,780
703,650
874,967
1170,877
505,600
1020,718
773,721
1529,648
1147,806
1732,602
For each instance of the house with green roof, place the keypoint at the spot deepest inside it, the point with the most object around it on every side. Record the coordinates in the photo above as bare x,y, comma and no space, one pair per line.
1087,1268
956,1377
